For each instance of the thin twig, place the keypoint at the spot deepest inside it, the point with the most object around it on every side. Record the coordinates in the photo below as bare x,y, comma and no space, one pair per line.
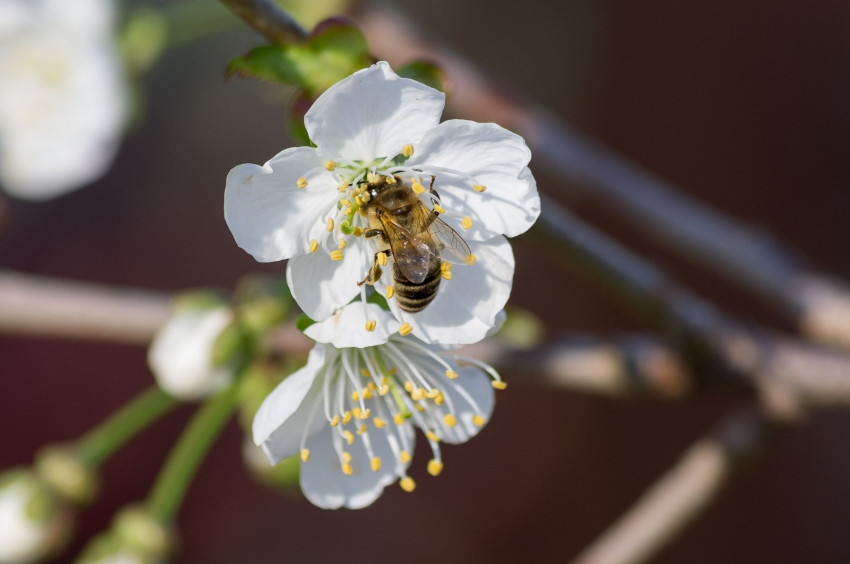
682,493
269,20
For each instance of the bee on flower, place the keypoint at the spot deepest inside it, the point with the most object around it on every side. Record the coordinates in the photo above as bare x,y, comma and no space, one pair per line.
393,199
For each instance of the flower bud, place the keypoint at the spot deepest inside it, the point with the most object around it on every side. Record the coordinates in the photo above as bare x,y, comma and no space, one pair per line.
66,475
135,538
34,523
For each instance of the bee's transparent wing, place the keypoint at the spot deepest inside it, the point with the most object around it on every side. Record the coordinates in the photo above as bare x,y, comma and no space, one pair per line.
451,246
412,255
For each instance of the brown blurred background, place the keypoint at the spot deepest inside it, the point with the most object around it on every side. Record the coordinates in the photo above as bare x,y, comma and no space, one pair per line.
744,104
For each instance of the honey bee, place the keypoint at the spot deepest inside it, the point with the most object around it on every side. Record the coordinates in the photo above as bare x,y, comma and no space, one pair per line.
416,237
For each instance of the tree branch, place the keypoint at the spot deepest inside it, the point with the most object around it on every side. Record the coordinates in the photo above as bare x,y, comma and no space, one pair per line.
269,20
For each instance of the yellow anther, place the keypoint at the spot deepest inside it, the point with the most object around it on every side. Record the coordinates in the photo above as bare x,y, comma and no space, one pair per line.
330,165
355,397
358,231
371,385
439,209
383,390
346,417
478,187
335,421
305,455
408,386
367,393
346,469
432,436
407,484
478,420
446,266
451,374
419,407
418,394
390,179
407,151
372,178
466,223
439,399
379,423
450,420
314,246
346,210
336,255
366,374
390,292
356,412
359,200
398,419
302,182
405,329
435,467
346,457
365,413
343,187
376,464
417,188
382,259
432,393
331,224
345,202
341,244
499,384
361,429
349,437
470,259
371,324
404,456
365,197
446,274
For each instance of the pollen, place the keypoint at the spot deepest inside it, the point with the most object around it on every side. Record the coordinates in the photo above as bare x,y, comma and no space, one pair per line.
435,467
418,394
355,396
331,224
302,183
346,469
499,384
478,420
390,179
343,187
358,231
432,436
342,244
466,223
330,165
349,437
365,414
417,187
405,329
375,463
368,393
335,421
345,202
404,456
336,255
305,455
408,386
407,484
359,201
390,292
478,187
372,178
451,374
365,197
432,393
314,246
407,151
470,259
398,419
446,274
371,324
383,390
450,420
346,417
439,399
439,209
379,423
382,259
356,412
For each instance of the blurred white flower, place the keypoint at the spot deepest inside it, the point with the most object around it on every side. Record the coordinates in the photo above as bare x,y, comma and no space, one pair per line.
32,522
181,354
309,204
351,411
62,95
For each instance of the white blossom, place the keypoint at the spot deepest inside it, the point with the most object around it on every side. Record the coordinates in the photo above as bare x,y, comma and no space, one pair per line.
32,524
306,204
181,354
62,95
352,410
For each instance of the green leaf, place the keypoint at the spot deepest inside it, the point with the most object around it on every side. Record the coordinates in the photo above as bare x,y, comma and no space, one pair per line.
336,49
425,72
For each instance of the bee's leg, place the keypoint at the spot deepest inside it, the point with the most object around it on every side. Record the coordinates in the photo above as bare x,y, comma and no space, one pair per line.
435,197
372,233
375,270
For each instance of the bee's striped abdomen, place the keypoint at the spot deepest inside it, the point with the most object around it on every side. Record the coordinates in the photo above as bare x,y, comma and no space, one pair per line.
414,297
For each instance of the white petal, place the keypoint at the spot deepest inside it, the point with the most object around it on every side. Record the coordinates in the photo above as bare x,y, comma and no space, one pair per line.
269,216
320,285
496,159
180,355
346,328
23,538
323,481
467,306
469,395
280,421
372,113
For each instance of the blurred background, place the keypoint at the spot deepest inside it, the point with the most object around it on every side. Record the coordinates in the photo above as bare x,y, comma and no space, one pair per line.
743,104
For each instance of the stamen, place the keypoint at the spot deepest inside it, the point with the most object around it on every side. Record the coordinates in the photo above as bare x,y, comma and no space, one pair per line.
358,231
331,224
335,421
343,187
336,255
365,373
467,223
450,420
439,209
405,329
361,429
398,419
432,436
478,187
346,417
418,394
470,259
355,396
376,464
451,374
365,197
499,384
330,165
346,457
435,467
407,151
371,324
349,437
407,484
341,244
314,246
379,423
305,454
478,420
404,456
346,469
390,292
302,183
418,188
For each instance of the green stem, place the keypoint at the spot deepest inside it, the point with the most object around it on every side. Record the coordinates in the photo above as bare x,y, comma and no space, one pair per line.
187,454
100,443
